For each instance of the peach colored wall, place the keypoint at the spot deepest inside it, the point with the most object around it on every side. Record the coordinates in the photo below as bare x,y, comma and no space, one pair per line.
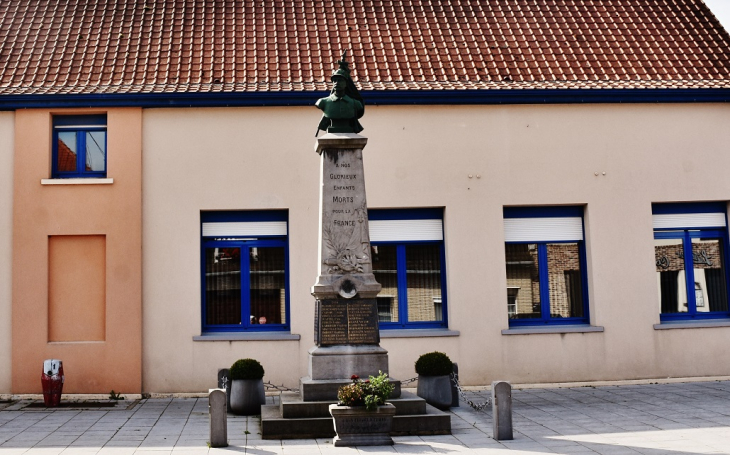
7,120
262,158
111,210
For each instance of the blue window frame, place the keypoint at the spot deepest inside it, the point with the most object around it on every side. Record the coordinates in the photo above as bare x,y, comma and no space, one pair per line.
408,260
79,146
546,266
244,271
690,250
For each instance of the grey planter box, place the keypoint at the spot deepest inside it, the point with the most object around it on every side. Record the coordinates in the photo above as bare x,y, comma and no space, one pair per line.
436,390
356,426
247,396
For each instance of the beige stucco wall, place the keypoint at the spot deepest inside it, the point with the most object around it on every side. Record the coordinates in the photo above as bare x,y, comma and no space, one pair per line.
6,241
262,158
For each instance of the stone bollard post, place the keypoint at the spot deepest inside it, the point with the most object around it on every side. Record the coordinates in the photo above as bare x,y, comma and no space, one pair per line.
218,418
502,410
454,391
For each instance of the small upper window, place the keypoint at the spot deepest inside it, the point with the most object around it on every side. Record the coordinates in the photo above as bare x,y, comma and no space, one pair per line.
690,246
546,268
79,146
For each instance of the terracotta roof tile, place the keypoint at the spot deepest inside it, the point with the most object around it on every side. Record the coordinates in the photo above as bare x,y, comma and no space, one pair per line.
125,46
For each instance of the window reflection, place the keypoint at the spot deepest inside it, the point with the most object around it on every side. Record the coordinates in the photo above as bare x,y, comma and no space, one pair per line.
268,294
385,269
66,152
223,285
564,280
523,281
423,281
95,150
709,275
671,279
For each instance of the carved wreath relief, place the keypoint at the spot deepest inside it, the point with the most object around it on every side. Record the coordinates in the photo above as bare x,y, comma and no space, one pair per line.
347,241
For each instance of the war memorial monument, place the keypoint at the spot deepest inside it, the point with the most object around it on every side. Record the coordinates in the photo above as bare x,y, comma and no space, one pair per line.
347,335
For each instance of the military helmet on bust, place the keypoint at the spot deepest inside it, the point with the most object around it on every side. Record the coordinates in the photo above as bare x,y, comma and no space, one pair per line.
340,73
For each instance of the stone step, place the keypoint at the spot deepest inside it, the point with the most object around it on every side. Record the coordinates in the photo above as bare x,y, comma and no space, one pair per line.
293,407
433,421
326,389
274,426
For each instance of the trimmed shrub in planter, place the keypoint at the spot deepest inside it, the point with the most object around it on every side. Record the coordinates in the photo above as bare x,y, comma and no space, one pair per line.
434,379
247,387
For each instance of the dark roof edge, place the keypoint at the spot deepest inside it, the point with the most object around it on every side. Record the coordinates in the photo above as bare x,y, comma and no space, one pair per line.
372,97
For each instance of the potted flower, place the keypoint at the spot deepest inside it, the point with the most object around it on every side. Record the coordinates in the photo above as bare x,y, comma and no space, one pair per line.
247,387
434,379
362,416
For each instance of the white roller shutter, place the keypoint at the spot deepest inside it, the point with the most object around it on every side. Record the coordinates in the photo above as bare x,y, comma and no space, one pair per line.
244,228
688,220
543,229
405,230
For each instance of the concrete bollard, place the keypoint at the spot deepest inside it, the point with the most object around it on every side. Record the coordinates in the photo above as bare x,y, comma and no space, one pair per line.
218,418
502,410
454,391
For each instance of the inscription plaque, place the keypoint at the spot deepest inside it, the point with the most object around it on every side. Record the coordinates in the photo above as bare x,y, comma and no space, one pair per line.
346,322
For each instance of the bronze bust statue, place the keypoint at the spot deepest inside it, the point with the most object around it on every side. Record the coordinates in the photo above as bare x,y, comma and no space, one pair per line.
344,106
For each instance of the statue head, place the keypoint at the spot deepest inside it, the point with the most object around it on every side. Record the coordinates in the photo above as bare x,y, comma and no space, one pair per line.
342,82
340,85
341,118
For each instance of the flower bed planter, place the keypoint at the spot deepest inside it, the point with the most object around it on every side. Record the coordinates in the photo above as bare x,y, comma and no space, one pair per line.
247,387
356,426
434,379
247,396
436,390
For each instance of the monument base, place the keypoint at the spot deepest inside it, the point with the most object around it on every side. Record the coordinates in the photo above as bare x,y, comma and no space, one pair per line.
293,418
341,362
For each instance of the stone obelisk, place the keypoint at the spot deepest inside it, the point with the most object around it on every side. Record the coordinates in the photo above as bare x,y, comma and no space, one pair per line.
347,337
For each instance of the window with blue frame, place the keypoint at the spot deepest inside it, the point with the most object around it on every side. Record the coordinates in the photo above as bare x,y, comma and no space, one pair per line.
79,146
546,265
690,247
245,271
407,249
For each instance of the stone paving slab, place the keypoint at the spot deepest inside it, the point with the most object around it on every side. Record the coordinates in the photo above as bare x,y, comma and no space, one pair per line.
650,419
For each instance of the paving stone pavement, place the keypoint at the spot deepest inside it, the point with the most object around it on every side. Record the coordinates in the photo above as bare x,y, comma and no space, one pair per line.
651,419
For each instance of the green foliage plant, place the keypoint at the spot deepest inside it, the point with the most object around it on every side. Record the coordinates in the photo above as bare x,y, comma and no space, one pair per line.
115,396
246,369
434,364
370,393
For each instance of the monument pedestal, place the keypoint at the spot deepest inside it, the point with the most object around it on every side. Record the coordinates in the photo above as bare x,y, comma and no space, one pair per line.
347,334
341,362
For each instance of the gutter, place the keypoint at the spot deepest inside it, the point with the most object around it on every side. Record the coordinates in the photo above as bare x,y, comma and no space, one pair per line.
372,97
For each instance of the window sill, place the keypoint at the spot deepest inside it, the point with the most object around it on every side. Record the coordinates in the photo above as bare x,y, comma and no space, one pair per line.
552,329
253,336
418,333
84,181
692,324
